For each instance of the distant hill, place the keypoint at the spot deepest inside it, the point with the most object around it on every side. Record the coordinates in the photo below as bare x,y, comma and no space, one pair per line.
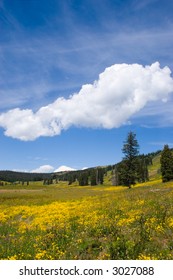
13,176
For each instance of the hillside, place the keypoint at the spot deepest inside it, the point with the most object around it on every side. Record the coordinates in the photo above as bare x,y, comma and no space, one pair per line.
154,169
107,171
13,176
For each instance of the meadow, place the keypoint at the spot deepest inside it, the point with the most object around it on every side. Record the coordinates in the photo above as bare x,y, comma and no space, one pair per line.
72,222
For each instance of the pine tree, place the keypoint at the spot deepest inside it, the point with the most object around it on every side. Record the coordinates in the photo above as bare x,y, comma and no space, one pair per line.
83,179
93,177
166,161
130,162
115,176
143,175
99,176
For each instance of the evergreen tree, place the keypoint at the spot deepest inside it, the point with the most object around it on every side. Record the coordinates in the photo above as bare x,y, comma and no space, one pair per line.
166,161
71,179
123,169
83,179
130,162
115,176
99,176
93,177
143,175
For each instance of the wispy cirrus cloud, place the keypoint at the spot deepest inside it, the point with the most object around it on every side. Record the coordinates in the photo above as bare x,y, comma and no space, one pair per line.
35,65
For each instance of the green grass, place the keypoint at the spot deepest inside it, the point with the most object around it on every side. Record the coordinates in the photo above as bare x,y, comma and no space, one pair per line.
154,169
38,194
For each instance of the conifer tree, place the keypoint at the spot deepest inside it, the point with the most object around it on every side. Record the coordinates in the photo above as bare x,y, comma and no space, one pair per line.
143,175
83,179
99,176
130,162
93,177
166,161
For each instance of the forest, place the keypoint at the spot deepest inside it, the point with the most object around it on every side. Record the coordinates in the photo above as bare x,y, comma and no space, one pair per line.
131,170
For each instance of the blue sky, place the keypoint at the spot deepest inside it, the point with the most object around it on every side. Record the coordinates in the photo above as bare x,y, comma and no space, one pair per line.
76,76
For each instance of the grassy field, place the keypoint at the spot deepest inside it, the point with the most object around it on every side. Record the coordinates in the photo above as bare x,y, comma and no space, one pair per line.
72,222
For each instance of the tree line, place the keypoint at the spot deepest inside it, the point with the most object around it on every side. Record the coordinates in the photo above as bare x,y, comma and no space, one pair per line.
14,176
90,176
132,169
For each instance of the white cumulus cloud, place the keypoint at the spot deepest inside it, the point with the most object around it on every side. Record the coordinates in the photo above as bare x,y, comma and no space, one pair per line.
43,169
64,168
120,91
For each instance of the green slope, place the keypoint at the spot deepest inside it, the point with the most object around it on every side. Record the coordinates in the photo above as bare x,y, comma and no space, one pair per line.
154,169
